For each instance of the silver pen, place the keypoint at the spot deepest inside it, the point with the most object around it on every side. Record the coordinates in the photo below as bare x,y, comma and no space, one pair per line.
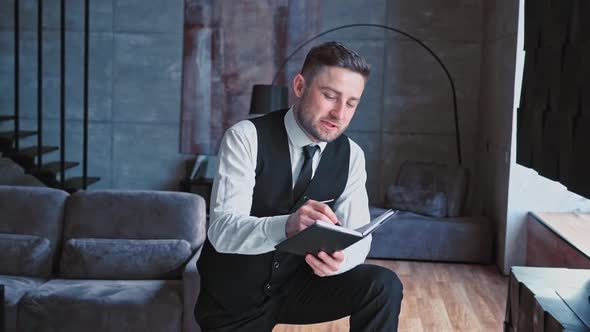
326,201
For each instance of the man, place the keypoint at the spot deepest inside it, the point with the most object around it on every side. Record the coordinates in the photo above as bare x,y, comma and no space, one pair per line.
274,172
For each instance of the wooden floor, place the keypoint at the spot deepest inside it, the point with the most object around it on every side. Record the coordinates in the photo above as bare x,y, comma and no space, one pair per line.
439,297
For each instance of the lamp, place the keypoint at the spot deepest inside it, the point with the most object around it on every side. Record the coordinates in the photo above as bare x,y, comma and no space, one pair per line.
268,98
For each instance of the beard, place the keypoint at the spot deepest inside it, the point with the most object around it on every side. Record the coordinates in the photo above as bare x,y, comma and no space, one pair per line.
315,128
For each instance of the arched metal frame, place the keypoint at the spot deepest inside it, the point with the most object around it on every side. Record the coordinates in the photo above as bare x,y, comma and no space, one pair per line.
385,27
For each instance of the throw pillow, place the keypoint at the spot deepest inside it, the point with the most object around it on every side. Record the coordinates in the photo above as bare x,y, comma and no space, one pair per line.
124,258
27,255
425,202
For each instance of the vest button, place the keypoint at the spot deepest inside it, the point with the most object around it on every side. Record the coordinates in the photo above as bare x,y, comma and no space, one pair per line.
276,265
267,286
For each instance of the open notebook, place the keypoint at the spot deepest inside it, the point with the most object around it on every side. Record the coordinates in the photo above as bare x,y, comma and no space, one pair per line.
323,236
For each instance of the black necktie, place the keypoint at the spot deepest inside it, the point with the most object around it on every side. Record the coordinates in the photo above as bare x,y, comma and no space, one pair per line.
305,174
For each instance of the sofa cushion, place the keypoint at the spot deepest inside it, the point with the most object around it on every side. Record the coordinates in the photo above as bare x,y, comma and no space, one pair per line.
124,258
417,237
14,289
26,255
135,214
102,305
426,202
34,211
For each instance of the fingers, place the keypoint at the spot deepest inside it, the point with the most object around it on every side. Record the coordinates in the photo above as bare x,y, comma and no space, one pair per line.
317,266
325,265
321,211
307,214
296,223
338,256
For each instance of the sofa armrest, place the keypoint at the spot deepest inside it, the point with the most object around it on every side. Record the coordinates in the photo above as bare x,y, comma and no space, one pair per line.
191,284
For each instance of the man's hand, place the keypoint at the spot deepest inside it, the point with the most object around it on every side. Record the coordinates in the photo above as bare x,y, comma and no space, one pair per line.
307,214
324,265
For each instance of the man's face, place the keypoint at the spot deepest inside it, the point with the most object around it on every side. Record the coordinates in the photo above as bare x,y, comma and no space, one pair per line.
327,103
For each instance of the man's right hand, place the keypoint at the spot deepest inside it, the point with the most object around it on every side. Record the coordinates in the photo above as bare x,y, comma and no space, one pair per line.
307,214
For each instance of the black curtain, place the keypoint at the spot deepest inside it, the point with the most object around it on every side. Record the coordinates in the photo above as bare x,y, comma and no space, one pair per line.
553,119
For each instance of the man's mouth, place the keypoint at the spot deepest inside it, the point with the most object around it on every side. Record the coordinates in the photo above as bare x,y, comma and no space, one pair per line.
328,125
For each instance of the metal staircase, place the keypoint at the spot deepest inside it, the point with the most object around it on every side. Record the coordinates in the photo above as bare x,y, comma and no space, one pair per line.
31,158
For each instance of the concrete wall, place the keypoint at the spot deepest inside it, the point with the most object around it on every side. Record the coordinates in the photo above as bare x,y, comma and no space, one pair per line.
406,110
496,107
135,76
135,66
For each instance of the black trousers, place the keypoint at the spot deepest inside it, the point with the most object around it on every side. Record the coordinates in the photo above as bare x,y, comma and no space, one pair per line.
370,294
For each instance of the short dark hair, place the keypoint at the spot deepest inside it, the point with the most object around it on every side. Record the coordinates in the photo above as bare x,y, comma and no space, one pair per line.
333,54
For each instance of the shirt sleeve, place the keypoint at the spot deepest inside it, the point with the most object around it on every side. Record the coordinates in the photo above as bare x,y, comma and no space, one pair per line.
352,208
231,228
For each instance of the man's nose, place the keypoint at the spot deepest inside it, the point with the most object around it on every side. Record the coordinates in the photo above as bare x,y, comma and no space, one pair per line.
338,111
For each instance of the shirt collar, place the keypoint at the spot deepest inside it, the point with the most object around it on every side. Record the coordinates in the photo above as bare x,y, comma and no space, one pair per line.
296,135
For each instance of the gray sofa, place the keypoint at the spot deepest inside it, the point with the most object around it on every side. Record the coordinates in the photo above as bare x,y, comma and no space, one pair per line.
30,230
119,260
430,225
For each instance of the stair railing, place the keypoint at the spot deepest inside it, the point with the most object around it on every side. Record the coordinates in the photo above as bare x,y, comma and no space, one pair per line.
62,93
86,63
16,73
63,165
39,85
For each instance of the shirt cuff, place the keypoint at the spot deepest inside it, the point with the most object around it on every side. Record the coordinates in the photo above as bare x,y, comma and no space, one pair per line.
276,228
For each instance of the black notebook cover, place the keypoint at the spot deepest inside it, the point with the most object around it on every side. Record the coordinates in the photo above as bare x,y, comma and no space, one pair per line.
329,238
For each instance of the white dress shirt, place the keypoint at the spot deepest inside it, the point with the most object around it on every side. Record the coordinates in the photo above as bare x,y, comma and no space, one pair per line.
233,230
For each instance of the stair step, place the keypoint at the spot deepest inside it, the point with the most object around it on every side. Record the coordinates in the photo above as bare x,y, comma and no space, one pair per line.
26,156
54,167
31,151
75,183
49,171
7,139
9,135
6,117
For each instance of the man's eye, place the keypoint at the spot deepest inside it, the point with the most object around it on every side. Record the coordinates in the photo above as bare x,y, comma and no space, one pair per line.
351,105
330,97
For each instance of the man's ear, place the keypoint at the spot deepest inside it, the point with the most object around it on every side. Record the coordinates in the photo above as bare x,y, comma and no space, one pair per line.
298,85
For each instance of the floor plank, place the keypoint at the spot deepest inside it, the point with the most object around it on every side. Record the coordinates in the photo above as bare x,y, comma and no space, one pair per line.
439,297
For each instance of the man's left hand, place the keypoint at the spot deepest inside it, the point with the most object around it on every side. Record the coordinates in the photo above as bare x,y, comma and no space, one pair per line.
324,265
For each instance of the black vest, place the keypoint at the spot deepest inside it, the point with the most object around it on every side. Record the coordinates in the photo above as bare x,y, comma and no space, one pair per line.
240,281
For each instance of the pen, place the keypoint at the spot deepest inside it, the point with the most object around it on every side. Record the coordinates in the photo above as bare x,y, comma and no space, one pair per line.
326,201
